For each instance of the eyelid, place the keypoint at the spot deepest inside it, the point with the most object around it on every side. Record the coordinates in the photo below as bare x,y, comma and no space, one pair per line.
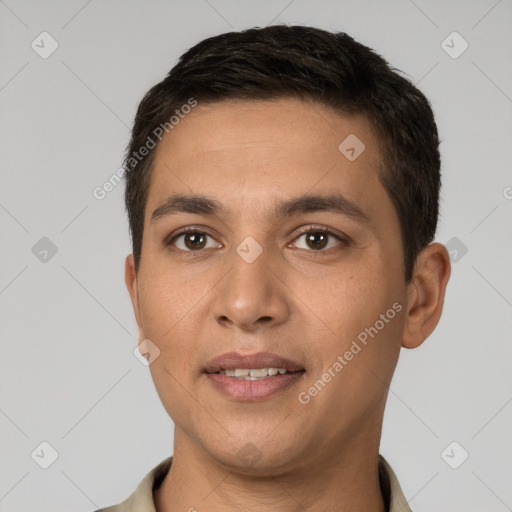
169,240
314,228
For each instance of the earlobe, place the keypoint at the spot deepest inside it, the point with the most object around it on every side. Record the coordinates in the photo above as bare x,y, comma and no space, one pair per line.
426,294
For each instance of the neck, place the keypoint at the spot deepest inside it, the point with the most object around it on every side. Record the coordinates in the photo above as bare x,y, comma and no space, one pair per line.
344,481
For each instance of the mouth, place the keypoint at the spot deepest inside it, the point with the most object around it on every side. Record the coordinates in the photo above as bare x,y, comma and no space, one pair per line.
255,373
253,377
262,364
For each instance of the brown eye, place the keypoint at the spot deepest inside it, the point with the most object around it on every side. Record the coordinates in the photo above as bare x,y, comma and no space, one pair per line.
317,240
193,241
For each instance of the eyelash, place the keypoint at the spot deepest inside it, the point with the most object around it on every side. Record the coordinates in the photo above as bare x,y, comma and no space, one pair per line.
310,229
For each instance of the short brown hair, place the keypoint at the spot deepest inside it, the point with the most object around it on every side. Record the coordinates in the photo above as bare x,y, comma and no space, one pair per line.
280,61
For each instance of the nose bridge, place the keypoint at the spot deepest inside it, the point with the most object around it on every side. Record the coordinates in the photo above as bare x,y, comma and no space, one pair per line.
251,263
251,293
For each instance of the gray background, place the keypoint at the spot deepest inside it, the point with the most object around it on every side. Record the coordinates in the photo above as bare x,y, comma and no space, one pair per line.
68,375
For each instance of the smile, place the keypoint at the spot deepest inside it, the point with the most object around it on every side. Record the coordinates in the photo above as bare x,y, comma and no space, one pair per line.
253,373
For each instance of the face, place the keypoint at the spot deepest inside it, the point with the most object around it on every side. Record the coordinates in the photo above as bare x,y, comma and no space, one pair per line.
318,282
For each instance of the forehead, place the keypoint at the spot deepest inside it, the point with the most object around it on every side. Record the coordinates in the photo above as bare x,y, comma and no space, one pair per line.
304,126
248,152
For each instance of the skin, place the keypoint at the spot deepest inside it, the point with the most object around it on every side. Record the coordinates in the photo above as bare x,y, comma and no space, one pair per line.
295,299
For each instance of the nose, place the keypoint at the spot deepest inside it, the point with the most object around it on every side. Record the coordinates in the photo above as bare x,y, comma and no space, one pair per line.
252,295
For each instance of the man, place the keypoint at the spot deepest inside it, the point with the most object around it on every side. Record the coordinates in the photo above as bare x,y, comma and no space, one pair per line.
282,188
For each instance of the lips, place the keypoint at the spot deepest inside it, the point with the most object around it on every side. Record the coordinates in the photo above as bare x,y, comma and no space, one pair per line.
283,374
235,360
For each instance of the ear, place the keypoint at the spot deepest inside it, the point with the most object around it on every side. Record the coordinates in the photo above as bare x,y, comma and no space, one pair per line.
130,278
426,294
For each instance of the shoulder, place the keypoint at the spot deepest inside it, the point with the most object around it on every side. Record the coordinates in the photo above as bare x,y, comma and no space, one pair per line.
141,500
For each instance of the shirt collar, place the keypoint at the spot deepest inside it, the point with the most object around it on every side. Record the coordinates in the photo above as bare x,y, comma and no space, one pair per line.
142,498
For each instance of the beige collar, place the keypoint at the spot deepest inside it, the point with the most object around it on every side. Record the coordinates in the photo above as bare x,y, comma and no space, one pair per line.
142,498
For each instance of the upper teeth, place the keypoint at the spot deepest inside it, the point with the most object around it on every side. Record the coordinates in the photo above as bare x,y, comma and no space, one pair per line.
253,372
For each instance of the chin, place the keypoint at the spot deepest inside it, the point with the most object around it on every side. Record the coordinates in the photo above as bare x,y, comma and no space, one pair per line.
254,458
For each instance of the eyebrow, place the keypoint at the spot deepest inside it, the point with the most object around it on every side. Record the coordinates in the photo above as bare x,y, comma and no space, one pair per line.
203,205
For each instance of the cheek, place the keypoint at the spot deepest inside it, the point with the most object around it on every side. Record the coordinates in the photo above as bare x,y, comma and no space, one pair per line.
167,298
349,298
362,312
